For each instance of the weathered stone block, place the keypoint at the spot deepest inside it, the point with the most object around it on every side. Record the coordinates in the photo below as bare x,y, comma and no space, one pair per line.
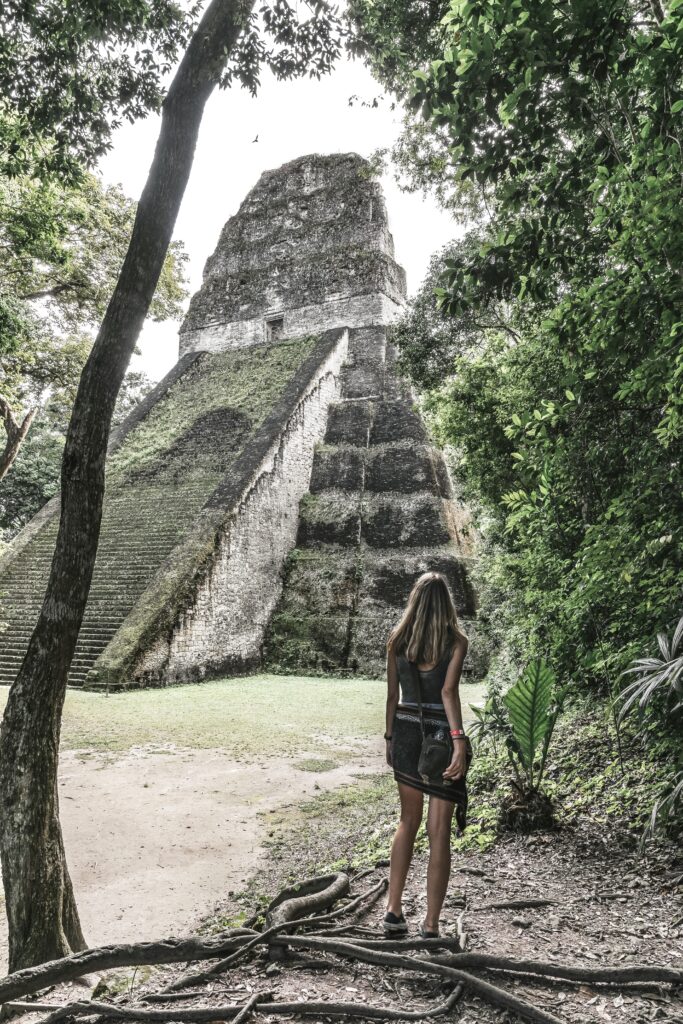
402,468
367,647
396,521
397,421
320,581
388,577
363,380
329,518
307,644
367,344
349,423
337,468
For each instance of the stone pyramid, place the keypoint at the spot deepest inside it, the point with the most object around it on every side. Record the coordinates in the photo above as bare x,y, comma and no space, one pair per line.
275,496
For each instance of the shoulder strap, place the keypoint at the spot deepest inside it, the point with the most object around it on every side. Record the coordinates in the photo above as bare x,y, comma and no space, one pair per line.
414,671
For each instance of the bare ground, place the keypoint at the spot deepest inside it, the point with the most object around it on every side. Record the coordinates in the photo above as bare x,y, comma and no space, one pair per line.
607,908
154,838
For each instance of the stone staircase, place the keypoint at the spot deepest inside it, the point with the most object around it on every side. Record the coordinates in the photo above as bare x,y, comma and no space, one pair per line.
379,512
157,482
136,538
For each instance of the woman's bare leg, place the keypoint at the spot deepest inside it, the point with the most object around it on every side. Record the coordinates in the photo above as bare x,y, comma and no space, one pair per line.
402,846
439,818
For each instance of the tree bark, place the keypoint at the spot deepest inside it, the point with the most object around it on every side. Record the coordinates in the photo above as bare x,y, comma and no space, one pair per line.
41,910
15,431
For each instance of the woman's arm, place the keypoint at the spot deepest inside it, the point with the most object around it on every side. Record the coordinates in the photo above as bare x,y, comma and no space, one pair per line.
450,695
392,698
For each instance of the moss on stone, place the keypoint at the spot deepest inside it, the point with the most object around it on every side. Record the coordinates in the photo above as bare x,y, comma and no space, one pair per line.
248,381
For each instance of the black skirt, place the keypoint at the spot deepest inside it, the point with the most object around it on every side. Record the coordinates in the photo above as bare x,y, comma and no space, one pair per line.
405,755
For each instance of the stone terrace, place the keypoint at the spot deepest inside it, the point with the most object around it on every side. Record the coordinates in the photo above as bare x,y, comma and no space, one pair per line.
380,511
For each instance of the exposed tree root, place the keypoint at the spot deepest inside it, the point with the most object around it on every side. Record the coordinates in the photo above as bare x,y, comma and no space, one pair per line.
631,975
312,894
513,905
458,968
368,899
307,897
259,1001
250,1005
104,958
491,993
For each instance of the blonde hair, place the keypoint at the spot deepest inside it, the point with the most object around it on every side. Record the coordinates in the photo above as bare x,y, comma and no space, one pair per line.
429,626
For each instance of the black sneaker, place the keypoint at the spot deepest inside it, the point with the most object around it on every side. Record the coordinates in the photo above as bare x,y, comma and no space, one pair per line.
395,926
424,934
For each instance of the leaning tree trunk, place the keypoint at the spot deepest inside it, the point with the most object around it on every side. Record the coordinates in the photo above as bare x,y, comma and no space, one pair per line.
16,432
41,910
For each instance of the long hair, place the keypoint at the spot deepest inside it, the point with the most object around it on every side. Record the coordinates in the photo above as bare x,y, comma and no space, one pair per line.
429,626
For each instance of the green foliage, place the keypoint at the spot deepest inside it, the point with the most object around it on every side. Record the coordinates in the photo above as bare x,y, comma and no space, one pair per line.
551,354
533,707
666,807
63,246
584,778
70,73
34,477
524,719
654,675
657,692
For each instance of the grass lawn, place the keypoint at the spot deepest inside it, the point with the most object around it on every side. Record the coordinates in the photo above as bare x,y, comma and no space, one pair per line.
246,716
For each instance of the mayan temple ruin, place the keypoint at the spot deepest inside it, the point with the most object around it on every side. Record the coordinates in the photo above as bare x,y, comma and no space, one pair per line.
271,501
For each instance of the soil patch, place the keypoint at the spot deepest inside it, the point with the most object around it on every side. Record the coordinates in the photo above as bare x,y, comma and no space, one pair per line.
154,837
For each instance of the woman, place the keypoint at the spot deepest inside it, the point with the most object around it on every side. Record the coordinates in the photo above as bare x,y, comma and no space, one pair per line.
427,648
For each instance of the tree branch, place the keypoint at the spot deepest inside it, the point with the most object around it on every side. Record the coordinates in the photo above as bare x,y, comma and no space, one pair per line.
48,293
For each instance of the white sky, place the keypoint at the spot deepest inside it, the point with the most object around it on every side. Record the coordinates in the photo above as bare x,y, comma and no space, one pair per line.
290,119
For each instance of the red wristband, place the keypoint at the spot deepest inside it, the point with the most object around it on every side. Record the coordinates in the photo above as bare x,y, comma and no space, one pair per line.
457,732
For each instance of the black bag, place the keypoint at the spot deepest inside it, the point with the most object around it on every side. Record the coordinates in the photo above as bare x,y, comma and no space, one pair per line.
436,751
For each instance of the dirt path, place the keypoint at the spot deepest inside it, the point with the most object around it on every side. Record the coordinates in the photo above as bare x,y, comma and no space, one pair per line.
155,837
167,810
605,907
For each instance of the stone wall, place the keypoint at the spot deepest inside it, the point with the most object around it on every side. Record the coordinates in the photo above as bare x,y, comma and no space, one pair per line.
356,311
207,608
309,248
379,512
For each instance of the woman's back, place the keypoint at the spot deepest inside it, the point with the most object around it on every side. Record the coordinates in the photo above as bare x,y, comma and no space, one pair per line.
431,682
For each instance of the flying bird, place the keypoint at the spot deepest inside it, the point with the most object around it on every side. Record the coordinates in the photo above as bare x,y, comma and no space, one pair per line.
255,139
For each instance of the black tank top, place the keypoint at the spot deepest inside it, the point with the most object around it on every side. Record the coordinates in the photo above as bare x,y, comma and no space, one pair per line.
431,681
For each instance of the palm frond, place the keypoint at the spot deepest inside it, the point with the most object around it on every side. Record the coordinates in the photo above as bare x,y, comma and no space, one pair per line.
654,674
678,636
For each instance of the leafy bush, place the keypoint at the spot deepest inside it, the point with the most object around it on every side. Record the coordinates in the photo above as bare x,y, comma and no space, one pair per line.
657,692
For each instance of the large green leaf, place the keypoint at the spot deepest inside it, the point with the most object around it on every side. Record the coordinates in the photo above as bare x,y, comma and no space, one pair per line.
528,703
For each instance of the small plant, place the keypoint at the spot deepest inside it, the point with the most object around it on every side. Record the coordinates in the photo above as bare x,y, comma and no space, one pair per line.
665,808
524,720
656,676
659,679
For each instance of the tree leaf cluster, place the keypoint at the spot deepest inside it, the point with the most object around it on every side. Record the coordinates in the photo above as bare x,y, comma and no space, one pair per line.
548,340
70,73
62,245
